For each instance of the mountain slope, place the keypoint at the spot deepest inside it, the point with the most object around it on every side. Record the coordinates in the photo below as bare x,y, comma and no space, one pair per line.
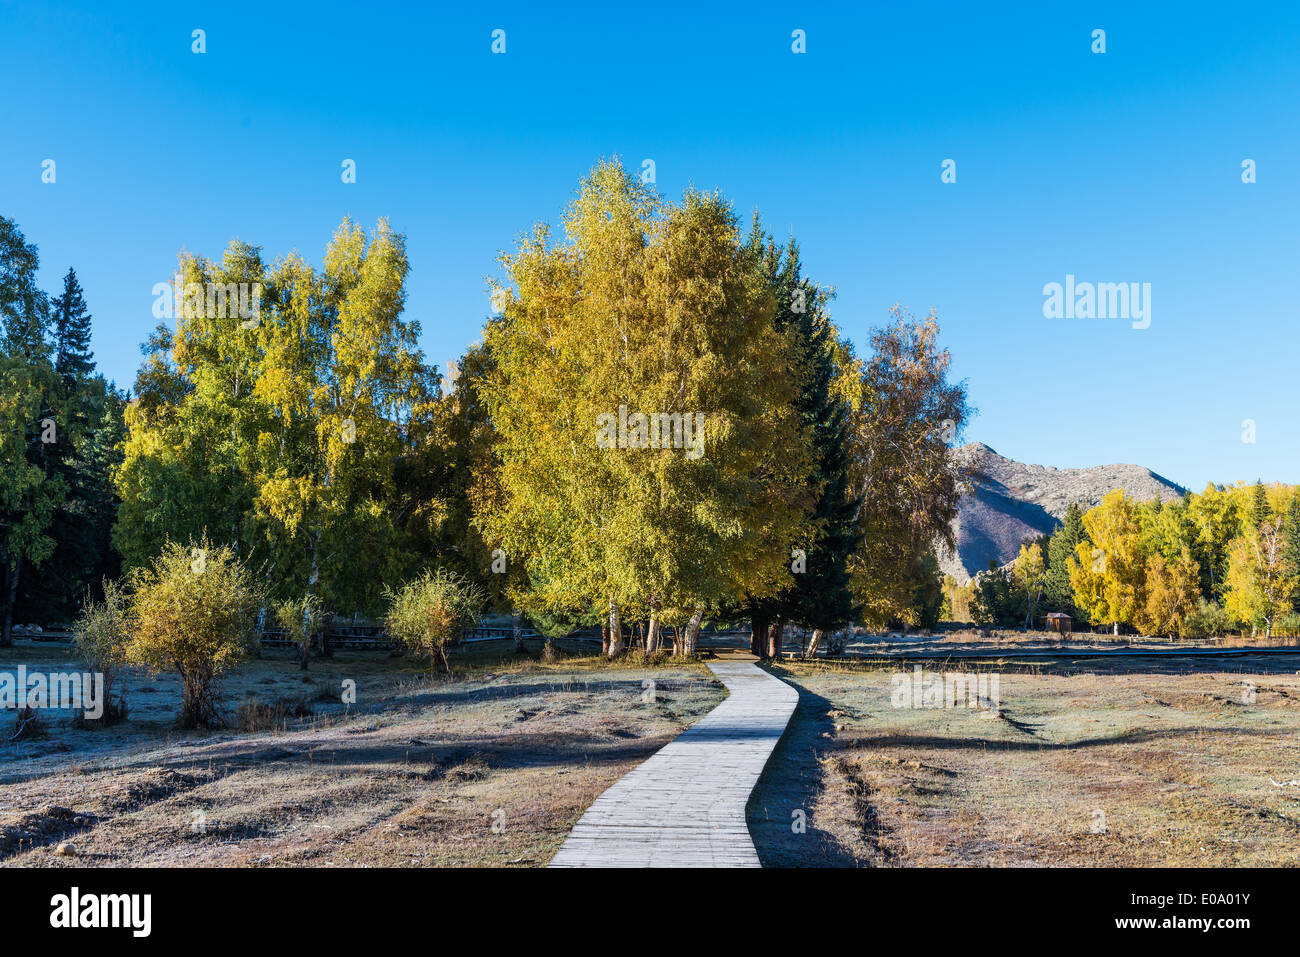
1005,502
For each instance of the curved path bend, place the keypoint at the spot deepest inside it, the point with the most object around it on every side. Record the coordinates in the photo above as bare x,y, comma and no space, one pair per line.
685,805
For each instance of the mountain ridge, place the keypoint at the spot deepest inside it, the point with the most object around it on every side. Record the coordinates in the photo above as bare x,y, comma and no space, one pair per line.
1004,502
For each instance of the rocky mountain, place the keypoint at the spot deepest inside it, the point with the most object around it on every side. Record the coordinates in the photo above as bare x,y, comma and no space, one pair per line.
1005,502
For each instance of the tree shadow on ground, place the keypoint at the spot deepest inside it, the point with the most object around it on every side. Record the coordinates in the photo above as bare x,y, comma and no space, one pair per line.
780,811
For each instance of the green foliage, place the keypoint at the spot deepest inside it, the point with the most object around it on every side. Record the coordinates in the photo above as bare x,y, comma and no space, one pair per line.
659,309
32,490
1291,546
102,636
72,356
304,433
1215,515
1259,509
193,610
302,619
821,596
1061,547
928,594
1208,620
996,602
433,611
59,426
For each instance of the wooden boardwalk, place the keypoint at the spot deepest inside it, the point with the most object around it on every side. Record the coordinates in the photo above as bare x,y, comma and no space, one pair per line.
685,805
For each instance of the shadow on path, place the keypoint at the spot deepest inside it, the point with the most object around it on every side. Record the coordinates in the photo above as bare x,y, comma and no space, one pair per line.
792,781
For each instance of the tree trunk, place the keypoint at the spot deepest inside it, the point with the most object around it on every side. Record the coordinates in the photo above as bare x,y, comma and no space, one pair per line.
517,630
758,633
652,630
1116,632
615,631
692,635
775,636
325,650
814,644
604,638
7,634
304,653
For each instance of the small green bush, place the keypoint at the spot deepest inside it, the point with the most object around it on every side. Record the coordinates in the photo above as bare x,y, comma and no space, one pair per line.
1209,620
427,614
194,611
101,635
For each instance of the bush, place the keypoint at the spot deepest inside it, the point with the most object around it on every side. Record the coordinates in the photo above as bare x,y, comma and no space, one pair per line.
101,635
193,610
29,724
1209,620
301,619
1288,624
428,613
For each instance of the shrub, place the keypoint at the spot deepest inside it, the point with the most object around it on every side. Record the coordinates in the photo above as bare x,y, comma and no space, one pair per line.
101,635
428,613
1207,621
302,619
193,610
1288,624
28,725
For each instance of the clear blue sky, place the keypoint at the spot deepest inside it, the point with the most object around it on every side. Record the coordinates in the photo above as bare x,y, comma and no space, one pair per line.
1124,166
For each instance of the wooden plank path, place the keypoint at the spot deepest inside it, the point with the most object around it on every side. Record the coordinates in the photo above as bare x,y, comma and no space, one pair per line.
685,805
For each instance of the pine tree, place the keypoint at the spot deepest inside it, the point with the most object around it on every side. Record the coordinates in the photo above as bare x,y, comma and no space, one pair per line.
1259,509
1291,529
73,360
821,597
31,491
1060,549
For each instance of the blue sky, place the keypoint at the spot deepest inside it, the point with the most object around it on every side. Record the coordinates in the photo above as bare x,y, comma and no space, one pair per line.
1116,167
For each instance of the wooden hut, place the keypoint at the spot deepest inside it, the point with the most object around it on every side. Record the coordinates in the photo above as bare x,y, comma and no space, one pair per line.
1059,621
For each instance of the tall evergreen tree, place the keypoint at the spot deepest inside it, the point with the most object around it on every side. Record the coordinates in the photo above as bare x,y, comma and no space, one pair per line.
1259,508
1291,531
1061,548
821,597
73,360
83,458
31,490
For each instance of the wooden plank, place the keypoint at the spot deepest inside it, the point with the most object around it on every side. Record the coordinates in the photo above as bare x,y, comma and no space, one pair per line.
685,805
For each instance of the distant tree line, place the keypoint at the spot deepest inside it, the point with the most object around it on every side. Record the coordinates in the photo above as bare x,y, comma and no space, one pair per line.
61,429
1222,559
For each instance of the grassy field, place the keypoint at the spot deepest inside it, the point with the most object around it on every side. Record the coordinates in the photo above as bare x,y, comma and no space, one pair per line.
959,640
491,768
1109,762
1121,764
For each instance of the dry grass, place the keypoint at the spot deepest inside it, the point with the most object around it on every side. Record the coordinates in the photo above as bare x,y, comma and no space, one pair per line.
1121,768
490,768
1007,639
